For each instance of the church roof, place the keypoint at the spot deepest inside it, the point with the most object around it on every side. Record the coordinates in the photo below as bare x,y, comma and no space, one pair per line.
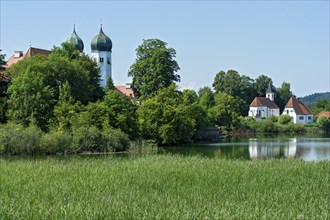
101,42
19,55
263,101
298,106
75,40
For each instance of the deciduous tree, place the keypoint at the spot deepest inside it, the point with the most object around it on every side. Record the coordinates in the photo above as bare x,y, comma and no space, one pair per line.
154,68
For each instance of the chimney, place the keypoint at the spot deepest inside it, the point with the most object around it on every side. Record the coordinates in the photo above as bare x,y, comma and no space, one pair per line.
128,85
18,53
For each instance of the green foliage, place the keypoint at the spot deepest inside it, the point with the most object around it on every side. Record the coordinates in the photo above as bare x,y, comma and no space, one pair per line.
232,83
153,69
3,109
2,61
321,105
17,140
261,84
55,142
30,99
115,140
36,84
206,98
310,100
273,118
283,94
167,120
226,110
115,111
266,126
65,109
109,85
284,119
163,187
87,139
323,122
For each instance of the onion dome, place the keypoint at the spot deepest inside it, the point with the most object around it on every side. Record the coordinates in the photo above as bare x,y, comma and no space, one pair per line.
101,42
76,41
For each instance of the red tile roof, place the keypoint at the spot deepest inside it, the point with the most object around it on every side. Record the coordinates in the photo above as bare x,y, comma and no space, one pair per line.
127,91
299,107
323,113
32,51
263,101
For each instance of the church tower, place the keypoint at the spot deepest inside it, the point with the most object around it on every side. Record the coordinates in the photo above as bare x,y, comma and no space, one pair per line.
101,46
76,41
269,93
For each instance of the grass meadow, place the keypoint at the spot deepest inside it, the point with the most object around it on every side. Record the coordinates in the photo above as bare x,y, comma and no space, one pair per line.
162,187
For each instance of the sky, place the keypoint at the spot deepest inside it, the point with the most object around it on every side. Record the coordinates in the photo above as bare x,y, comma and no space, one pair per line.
284,40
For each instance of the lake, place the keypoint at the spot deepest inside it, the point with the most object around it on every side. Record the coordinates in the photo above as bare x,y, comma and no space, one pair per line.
309,149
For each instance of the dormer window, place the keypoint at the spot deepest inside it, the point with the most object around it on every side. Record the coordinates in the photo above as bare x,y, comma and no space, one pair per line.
101,59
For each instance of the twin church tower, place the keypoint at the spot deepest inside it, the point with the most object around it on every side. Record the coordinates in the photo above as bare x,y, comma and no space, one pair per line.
101,46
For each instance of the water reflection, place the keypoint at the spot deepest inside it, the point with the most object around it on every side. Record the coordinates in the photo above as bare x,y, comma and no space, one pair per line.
310,149
259,149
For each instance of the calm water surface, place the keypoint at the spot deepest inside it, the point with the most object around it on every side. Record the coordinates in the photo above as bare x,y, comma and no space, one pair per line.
309,149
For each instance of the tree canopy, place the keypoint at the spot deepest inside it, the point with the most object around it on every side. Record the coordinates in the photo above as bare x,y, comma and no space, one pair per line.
154,68
36,83
170,117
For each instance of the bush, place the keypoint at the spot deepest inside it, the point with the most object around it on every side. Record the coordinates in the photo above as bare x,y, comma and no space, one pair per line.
115,140
284,119
17,140
266,126
55,142
87,139
323,122
273,118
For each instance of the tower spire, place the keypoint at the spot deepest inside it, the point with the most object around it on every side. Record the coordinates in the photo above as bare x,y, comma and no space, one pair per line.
269,92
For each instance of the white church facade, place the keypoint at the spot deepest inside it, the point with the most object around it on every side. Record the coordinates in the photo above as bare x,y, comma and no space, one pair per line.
264,107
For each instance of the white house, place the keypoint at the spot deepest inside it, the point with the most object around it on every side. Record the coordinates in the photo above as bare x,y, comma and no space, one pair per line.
264,107
298,111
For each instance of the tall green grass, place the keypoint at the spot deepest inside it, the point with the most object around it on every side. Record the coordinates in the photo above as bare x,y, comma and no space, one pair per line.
162,187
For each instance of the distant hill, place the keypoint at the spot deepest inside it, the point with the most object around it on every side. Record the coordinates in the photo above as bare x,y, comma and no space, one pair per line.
309,100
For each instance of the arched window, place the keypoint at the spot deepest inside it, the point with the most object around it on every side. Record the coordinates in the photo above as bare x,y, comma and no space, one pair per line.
101,59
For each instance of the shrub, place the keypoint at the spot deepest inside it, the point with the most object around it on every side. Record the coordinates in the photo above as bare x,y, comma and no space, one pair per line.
17,140
284,119
273,118
115,140
266,126
323,122
87,139
55,142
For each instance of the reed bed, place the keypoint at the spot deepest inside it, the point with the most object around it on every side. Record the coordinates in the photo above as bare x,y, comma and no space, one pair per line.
162,187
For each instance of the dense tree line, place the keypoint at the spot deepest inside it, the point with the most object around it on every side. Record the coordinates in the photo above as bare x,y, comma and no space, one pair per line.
60,95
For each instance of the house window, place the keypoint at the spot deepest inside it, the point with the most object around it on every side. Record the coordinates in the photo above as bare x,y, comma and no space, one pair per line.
301,117
291,110
309,117
101,59
108,60
287,111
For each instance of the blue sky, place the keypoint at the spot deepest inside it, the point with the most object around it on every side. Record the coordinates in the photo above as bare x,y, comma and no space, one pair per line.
285,40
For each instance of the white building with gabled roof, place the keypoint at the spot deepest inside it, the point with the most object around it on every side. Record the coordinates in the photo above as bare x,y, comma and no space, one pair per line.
264,107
